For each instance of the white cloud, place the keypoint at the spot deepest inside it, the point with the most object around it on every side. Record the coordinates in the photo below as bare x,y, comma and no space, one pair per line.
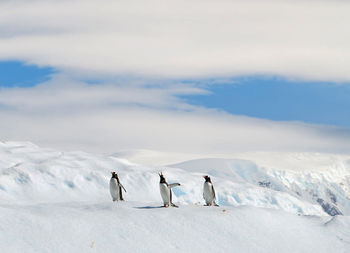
64,94
182,39
110,118
141,43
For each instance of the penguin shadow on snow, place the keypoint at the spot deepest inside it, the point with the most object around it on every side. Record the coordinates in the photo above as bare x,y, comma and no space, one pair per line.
209,192
148,207
165,193
115,188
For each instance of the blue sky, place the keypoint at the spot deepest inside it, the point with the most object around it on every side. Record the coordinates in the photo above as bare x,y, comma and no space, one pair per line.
279,99
17,74
255,96
132,75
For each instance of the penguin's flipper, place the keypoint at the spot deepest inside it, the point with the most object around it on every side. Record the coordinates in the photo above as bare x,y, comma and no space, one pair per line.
212,187
122,187
173,185
170,196
173,205
120,194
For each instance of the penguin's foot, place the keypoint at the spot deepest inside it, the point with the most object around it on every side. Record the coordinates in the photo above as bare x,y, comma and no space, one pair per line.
211,204
173,205
166,206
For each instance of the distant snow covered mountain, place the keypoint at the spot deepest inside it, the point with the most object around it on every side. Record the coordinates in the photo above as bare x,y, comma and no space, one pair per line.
310,184
296,190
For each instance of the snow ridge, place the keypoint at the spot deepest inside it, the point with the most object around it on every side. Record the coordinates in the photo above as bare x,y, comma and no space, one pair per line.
52,201
32,174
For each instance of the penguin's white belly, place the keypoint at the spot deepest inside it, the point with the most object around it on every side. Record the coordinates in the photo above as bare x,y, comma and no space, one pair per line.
165,193
114,189
208,193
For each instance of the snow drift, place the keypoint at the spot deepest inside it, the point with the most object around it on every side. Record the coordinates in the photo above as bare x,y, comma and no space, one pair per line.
31,174
53,201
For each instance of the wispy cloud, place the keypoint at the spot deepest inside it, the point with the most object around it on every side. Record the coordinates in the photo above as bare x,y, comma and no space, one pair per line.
107,118
64,94
147,45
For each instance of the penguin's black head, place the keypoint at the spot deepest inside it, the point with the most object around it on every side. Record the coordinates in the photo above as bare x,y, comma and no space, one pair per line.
114,175
207,179
162,178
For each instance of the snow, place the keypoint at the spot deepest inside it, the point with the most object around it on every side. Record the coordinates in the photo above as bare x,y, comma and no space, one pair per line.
136,227
55,201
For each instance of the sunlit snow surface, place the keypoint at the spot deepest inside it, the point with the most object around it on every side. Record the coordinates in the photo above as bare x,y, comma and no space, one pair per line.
53,201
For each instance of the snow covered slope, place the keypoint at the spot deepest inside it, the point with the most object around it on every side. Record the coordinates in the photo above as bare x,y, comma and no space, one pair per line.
296,189
32,174
53,201
139,227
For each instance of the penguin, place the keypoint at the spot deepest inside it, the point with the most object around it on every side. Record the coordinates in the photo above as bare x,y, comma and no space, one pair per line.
209,192
165,191
115,188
